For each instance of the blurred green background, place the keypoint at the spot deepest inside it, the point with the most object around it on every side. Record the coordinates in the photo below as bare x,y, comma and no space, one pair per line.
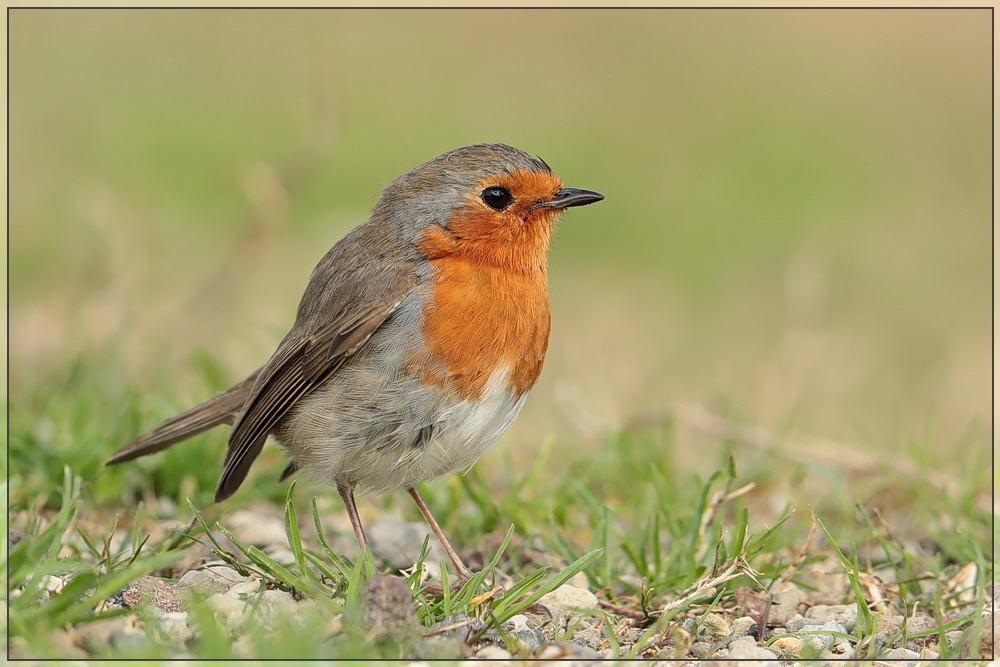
796,236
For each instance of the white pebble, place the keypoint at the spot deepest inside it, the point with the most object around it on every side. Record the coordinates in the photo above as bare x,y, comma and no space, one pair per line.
493,653
245,589
570,597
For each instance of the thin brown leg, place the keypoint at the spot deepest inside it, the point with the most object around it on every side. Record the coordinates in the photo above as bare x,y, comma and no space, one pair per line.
460,569
347,493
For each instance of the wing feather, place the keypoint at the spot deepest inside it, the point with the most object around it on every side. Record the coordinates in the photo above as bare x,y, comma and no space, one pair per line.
348,298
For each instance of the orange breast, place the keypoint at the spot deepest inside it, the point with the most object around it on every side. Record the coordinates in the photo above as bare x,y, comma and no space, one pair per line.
483,317
490,303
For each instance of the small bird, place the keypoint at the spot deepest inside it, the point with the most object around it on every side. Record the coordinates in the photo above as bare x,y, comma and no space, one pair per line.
416,342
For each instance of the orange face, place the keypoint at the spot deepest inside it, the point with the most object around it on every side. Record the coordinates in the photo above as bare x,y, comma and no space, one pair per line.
490,307
515,237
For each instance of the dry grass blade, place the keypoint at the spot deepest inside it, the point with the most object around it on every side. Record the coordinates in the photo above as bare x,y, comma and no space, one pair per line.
803,553
704,587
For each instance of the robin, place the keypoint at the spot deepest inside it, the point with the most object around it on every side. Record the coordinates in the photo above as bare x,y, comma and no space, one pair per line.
416,342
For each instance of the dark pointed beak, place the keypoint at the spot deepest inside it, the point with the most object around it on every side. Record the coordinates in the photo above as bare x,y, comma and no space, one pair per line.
566,197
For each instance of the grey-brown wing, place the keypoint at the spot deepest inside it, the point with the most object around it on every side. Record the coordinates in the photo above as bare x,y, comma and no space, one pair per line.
299,365
354,288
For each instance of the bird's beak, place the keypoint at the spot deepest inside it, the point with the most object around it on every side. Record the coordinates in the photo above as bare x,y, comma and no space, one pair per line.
566,197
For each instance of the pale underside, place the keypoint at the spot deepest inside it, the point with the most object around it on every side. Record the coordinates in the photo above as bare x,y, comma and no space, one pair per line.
375,426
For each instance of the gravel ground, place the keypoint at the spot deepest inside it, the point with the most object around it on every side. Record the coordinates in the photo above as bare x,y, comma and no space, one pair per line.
802,622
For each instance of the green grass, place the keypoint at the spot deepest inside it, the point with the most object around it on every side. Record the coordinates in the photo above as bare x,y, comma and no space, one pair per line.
781,311
676,547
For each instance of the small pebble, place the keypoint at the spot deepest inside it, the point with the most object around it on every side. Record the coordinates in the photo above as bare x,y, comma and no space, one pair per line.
517,623
525,631
459,625
579,653
225,573
814,646
243,646
440,647
844,614
702,650
385,611
174,626
202,583
823,639
153,591
920,624
129,640
257,529
398,543
902,655
551,652
277,596
743,641
745,648
954,637
842,649
787,647
335,626
785,603
794,623
572,654
275,605
96,635
229,607
569,598
632,635
493,653
52,583
246,589
716,628
888,624
743,626
592,635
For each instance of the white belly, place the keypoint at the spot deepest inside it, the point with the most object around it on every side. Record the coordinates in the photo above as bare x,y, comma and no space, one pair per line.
383,443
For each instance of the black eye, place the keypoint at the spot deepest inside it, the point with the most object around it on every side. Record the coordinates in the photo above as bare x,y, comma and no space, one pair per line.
497,198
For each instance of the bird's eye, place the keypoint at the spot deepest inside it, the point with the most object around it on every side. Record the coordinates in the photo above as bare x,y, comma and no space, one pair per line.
496,198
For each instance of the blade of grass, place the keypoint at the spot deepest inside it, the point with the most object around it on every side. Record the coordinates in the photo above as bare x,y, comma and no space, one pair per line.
91,547
507,611
338,562
267,566
865,625
33,549
292,533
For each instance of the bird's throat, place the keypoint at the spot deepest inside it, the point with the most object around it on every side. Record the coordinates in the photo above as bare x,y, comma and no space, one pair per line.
483,316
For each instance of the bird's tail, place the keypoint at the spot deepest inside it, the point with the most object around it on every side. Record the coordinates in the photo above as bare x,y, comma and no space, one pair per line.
223,409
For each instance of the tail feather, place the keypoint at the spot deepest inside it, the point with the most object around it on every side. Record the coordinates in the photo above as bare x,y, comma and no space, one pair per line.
223,409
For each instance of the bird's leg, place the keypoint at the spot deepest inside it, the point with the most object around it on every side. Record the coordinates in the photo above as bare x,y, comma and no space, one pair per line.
460,569
347,493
